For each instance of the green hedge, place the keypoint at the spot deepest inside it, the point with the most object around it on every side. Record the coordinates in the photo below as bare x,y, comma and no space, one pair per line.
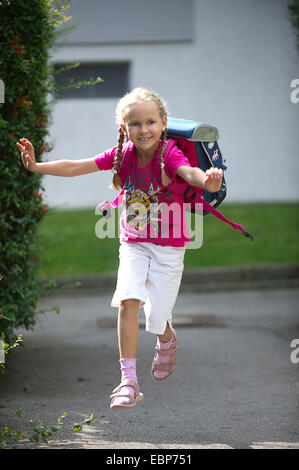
27,33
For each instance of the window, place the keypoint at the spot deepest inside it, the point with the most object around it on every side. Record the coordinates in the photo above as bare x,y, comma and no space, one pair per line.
115,84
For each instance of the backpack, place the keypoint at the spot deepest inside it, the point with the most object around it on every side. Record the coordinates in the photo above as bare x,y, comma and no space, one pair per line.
198,142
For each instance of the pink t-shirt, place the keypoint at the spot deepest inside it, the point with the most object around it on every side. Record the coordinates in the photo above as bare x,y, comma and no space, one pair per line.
152,212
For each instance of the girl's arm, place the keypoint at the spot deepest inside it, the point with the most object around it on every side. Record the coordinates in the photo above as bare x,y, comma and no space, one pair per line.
210,180
56,168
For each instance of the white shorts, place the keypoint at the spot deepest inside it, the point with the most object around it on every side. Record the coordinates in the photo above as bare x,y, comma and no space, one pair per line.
151,273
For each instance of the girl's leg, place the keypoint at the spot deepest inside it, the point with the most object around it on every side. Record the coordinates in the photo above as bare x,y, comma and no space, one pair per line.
167,335
163,283
128,336
128,328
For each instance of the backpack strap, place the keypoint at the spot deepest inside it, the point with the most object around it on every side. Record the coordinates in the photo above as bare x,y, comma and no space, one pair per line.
168,148
104,207
197,198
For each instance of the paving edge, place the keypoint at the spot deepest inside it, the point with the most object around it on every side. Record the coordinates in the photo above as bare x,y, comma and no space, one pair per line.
257,276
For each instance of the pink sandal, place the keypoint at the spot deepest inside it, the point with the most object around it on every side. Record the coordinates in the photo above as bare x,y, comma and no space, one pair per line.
134,399
168,366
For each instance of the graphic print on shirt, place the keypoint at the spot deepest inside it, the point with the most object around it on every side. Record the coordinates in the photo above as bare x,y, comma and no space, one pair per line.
144,198
139,209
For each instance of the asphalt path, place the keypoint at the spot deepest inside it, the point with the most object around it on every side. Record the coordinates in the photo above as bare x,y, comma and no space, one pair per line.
236,385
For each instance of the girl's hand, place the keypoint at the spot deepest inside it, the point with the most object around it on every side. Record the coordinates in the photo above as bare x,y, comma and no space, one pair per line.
213,179
27,154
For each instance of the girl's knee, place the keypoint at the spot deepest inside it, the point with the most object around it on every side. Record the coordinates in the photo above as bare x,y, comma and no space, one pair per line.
129,305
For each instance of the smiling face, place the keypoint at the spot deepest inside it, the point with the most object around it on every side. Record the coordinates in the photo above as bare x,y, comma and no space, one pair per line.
143,126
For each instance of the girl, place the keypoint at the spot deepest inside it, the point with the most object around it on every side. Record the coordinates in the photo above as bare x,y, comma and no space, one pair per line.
150,267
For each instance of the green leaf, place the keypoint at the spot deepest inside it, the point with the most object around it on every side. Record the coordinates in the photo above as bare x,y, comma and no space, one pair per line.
55,428
19,435
7,430
77,427
61,417
89,421
10,316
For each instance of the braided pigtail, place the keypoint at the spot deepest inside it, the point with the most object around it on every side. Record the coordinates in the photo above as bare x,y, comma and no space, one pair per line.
116,183
165,180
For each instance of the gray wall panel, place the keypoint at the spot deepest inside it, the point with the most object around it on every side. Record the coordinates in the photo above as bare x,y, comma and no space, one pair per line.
116,21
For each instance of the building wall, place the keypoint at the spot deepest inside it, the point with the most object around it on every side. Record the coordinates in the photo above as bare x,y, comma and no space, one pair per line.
235,73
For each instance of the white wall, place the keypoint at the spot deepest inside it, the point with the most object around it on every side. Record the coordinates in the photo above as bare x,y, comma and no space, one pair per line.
235,75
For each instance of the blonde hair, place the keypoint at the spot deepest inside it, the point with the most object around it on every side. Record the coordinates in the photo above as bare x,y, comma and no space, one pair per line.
135,96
